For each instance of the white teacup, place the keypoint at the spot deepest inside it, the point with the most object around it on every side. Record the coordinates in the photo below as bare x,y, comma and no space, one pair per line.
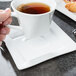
34,25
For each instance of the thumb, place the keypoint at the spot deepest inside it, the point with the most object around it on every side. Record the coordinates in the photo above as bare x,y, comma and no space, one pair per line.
5,14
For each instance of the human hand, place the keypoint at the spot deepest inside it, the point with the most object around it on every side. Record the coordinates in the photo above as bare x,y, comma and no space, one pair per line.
5,19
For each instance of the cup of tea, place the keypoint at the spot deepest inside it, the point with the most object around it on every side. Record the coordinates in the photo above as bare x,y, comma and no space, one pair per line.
34,16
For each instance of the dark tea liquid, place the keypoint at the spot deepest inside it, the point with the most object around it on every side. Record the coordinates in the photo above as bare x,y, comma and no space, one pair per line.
33,8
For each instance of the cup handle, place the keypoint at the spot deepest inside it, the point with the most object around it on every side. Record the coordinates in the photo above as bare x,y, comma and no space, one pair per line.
13,14
18,30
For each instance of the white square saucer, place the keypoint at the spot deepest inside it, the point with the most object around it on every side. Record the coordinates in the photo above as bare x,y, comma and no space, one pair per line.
27,53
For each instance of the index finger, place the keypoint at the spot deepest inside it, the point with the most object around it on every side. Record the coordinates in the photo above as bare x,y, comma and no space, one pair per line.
4,14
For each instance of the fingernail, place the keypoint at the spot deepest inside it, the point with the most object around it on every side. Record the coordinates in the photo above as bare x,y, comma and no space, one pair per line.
7,9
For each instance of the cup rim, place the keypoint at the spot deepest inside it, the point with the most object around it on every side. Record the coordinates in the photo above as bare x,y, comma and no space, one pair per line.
32,14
